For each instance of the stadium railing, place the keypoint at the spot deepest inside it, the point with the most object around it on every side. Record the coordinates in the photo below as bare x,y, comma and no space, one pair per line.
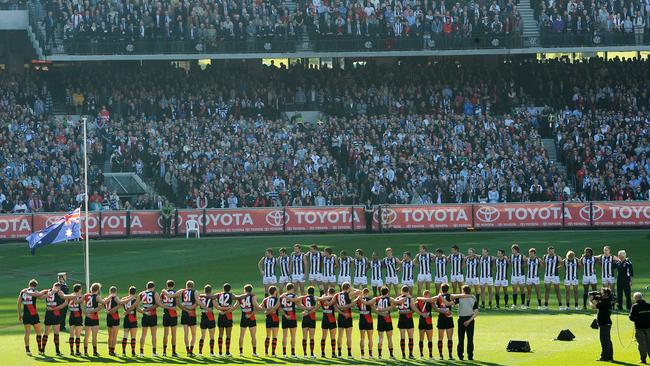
106,224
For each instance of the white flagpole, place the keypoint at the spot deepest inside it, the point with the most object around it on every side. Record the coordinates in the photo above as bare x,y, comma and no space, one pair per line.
86,235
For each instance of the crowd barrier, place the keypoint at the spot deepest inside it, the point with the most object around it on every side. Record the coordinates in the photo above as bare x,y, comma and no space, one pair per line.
348,218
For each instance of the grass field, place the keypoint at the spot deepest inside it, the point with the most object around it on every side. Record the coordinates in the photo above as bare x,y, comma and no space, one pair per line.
234,259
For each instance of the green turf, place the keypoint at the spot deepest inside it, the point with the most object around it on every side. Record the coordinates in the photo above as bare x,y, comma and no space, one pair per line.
234,259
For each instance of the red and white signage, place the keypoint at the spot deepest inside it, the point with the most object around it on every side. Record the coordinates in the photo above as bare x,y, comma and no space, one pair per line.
233,220
424,217
621,214
518,215
322,218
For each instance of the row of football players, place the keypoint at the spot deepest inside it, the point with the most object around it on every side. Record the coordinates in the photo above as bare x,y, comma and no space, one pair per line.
487,274
336,308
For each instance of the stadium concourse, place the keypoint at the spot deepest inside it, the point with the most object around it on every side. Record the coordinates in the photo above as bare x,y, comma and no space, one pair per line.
416,132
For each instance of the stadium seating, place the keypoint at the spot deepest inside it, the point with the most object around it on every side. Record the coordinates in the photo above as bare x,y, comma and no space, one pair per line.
407,133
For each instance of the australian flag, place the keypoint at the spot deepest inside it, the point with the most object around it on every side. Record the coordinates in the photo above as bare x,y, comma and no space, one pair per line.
65,228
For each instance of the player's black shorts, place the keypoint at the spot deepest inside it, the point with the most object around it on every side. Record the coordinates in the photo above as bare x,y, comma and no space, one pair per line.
365,322
91,322
405,322
76,321
289,323
223,321
29,319
169,321
111,322
308,322
207,323
326,324
270,323
51,319
149,320
130,322
186,319
445,322
247,323
423,325
384,325
344,322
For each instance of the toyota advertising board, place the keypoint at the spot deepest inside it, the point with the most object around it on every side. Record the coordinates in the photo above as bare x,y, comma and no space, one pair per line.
424,217
518,215
234,220
322,218
621,214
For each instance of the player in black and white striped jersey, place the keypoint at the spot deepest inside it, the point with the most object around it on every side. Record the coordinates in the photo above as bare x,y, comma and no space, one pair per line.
456,271
486,280
552,263
608,264
471,273
375,274
315,259
588,264
440,263
423,261
407,270
392,265
329,269
360,270
571,279
501,278
298,265
517,276
532,278
344,264
266,265
284,262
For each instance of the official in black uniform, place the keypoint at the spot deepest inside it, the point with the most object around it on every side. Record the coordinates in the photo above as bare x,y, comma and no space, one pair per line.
368,210
63,277
603,304
640,315
624,280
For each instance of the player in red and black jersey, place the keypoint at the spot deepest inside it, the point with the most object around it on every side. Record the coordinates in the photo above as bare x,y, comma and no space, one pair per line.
328,323
130,303
189,300
309,304
425,324
75,320
365,321
93,303
208,321
342,302
443,305
56,301
28,314
383,305
150,301
271,304
289,301
405,322
170,317
248,304
225,304
112,303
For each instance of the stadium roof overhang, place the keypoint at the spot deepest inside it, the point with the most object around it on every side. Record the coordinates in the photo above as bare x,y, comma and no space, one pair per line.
311,54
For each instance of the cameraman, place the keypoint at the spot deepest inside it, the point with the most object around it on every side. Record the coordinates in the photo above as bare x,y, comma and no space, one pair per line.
640,315
603,303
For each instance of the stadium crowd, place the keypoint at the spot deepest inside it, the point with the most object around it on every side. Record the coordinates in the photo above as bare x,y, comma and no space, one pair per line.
409,133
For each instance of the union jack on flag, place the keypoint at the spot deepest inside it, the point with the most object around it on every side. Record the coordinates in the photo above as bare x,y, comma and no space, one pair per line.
65,228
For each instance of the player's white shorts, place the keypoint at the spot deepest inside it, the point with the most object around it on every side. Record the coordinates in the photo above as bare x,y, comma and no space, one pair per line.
424,277
317,277
471,281
457,278
376,283
501,283
358,281
298,278
532,281
571,282
552,280
518,280
392,280
269,280
408,283
285,279
440,279
589,280
343,279
328,279
609,280
486,281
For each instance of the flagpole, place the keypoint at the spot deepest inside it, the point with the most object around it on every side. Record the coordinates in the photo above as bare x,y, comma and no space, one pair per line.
86,236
